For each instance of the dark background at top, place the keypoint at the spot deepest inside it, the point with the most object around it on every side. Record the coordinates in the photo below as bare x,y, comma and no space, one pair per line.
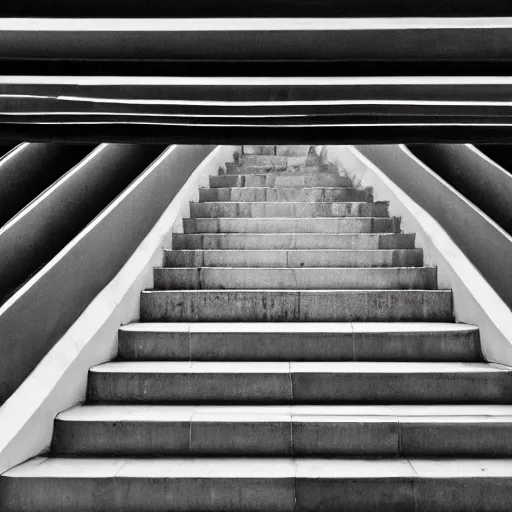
253,8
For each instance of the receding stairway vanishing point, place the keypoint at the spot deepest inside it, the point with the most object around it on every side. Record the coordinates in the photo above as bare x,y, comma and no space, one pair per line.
294,354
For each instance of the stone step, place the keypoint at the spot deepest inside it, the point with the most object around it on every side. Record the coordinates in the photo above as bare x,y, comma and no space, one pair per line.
269,160
294,258
284,179
293,225
296,430
258,485
320,278
259,150
299,382
287,209
300,342
292,150
272,195
296,306
293,241
276,150
249,168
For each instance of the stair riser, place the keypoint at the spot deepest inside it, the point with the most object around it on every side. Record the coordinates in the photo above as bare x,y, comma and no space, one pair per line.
299,388
299,241
377,437
271,160
295,165
268,194
205,278
313,346
244,210
259,150
276,150
303,306
284,179
280,165
298,225
284,259
151,494
257,494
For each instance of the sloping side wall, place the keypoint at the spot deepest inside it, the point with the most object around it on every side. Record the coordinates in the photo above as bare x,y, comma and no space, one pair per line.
40,312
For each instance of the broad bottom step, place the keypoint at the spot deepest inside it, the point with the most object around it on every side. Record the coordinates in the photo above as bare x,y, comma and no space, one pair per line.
239,485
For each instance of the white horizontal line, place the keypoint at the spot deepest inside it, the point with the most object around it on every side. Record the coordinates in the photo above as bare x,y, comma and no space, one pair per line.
245,104
318,81
246,24
152,114
348,125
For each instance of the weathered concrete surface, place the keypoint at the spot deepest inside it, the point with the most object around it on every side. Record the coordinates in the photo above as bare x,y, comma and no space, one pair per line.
326,382
159,430
287,209
293,225
428,341
283,179
305,306
292,365
283,241
295,258
229,278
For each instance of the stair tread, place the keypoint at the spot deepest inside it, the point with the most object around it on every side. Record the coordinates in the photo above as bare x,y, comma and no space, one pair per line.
306,269
317,251
321,187
265,468
313,327
243,367
285,413
287,202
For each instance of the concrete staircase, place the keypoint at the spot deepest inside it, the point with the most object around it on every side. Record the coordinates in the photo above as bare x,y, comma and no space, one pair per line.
295,354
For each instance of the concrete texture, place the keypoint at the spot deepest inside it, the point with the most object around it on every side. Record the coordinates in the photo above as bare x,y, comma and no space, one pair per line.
299,342
288,209
281,241
35,240
259,485
304,306
442,223
294,258
292,225
233,410
299,382
280,180
60,379
215,278
277,194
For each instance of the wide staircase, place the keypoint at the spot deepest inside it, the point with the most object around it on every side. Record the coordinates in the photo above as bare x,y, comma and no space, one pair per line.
294,354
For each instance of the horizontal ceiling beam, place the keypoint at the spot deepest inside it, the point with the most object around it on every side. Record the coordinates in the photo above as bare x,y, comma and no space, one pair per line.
256,109
175,134
258,39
